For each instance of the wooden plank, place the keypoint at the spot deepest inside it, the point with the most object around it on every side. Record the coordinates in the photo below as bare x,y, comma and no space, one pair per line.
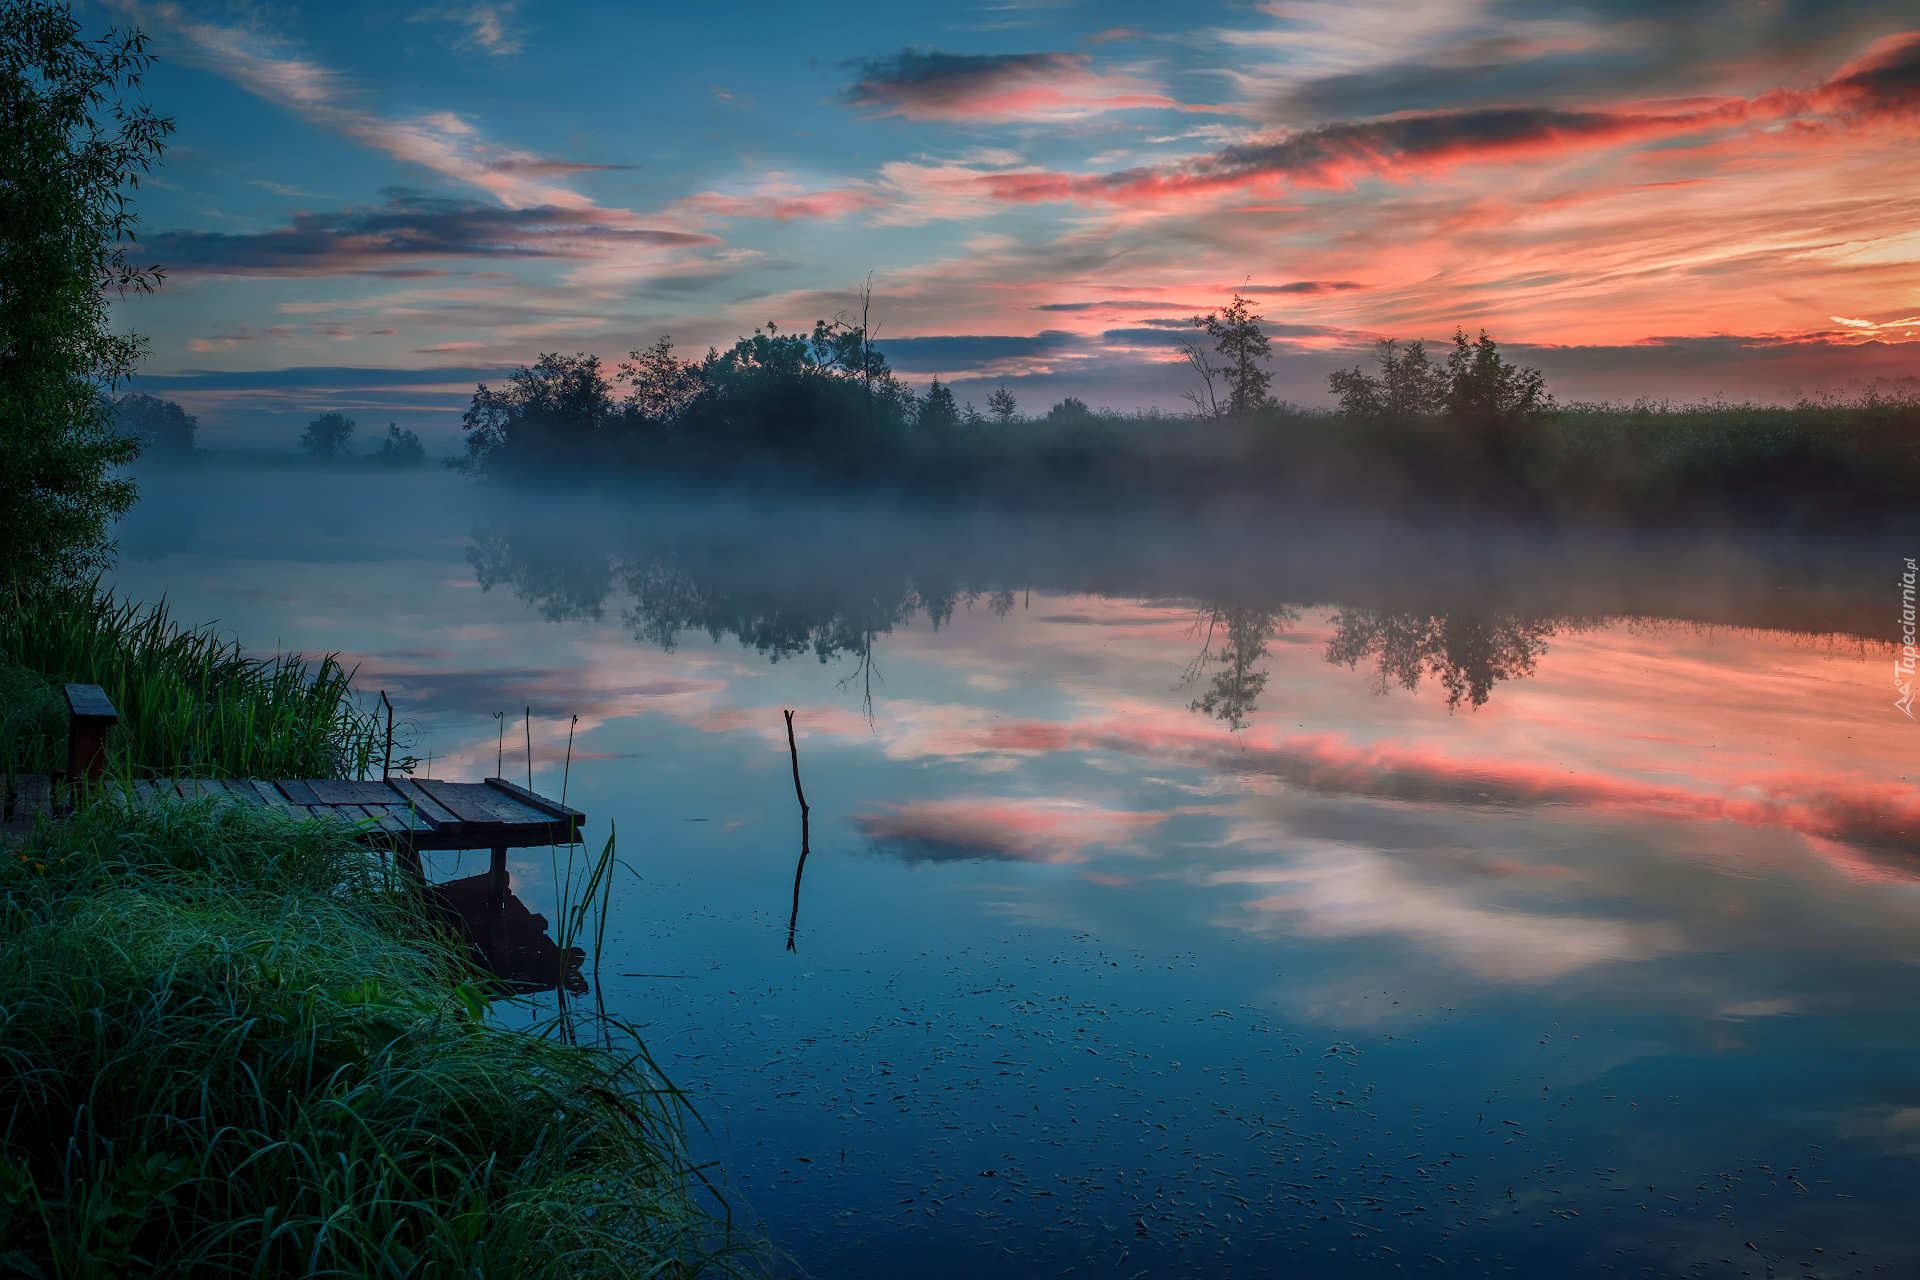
427,807
297,791
398,818
552,808
164,790
241,792
395,826
143,792
265,795
460,800
505,808
374,792
198,788
409,818
334,790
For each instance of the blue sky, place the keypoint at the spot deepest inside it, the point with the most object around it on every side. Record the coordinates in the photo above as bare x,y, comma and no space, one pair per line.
369,207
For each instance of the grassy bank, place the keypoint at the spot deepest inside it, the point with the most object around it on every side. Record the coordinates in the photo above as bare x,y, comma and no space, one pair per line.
230,1044
191,702
229,1048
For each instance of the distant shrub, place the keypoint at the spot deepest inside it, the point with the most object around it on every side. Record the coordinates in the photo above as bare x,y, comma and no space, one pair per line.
162,428
400,449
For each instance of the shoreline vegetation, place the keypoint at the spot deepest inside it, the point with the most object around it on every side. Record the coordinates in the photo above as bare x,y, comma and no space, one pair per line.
1468,435
234,1043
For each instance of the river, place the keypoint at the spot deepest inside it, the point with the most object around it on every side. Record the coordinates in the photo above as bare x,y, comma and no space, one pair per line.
1184,899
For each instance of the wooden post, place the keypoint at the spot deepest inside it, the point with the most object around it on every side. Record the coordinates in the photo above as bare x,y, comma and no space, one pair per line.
497,880
89,715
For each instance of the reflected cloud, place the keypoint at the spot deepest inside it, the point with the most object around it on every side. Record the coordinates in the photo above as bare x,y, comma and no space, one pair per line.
1007,831
1877,815
1341,892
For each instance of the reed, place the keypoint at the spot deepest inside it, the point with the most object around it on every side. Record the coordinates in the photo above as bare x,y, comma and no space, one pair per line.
229,1048
191,701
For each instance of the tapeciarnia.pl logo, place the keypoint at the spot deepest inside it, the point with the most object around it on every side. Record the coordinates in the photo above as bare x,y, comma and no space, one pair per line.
1903,665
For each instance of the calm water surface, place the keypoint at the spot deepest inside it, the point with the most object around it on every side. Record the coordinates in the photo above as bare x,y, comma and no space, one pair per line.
1154,926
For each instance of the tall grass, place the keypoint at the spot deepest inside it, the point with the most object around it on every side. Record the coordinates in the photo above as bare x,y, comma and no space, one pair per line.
227,1049
191,702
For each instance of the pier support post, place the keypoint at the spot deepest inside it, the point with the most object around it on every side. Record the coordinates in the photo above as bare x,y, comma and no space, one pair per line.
89,716
497,880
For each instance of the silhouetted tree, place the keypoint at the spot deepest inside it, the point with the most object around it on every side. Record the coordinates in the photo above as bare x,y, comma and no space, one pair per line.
71,148
400,448
327,436
937,414
1071,407
1409,386
663,386
1482,388
1204,398
1002,406
161,427
1241,343
547,417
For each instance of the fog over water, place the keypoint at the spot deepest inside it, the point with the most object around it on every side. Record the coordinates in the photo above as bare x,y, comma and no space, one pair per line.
1224,898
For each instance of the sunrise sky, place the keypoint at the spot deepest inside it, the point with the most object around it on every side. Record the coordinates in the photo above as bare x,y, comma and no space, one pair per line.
369,207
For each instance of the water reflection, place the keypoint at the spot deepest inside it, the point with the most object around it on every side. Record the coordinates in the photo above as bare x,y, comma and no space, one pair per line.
1468,654
1232,690
1455,985
512,944
784,597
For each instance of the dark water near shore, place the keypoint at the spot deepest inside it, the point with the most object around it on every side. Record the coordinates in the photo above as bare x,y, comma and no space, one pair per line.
1140,938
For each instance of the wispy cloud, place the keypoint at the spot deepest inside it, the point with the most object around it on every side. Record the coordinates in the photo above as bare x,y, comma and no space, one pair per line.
779,202
273,68
490,27
411,227
930,85
1881,87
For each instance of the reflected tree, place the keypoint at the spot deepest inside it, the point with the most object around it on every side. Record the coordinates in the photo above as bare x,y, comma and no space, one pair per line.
776,606
1233,691
1467,653
554,575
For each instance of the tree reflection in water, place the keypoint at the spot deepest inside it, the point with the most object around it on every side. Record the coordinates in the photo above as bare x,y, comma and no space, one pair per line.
1231,694
1467,653
786,599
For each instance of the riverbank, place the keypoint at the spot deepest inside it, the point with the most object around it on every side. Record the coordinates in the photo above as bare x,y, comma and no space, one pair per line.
233,1044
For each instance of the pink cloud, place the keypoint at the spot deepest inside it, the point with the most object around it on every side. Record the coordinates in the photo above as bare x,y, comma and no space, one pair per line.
822,205
997,87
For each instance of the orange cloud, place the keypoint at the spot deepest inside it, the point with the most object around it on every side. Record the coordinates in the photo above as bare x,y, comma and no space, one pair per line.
1882,86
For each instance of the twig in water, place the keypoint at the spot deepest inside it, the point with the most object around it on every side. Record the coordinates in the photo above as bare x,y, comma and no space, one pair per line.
793,920
500,743
529,748
386,761
566,770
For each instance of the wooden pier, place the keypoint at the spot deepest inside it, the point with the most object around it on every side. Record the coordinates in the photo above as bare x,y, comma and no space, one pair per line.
411,815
